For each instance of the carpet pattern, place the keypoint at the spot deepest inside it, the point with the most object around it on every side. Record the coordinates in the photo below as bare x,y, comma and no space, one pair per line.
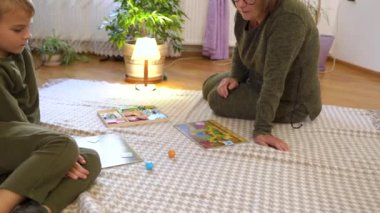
333,165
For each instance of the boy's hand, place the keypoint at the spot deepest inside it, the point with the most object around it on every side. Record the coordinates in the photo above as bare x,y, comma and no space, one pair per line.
272,141
78,171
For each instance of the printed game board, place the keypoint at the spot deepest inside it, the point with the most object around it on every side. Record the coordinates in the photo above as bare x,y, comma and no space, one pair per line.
131,115
210,134
113,150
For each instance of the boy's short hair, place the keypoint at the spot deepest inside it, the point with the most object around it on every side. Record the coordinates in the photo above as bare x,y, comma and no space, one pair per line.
8,5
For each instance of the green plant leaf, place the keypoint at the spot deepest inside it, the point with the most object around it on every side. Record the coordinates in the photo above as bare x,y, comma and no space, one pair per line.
53,45
162,19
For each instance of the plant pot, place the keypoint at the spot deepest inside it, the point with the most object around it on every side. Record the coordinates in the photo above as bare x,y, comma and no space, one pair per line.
54,60
135,68
325,42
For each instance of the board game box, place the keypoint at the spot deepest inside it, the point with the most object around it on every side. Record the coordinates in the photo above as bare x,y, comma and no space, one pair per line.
210,134
113,150
131,115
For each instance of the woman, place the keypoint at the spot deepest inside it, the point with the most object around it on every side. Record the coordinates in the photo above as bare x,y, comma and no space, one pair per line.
274,76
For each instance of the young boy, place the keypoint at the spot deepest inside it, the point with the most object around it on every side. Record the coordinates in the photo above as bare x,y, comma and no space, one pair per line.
40,170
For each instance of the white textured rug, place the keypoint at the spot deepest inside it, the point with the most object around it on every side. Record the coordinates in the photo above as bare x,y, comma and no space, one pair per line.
333,165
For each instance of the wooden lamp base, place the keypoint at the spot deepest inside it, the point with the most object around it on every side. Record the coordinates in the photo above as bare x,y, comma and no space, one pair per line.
134,80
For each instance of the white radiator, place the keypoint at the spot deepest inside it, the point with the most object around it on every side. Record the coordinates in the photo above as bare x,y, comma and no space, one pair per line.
78,21
195,25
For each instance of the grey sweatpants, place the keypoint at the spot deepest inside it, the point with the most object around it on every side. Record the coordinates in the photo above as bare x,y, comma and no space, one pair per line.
34,162
241,102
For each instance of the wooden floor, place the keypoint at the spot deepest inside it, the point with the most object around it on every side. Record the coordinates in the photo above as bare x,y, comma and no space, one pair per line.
344,86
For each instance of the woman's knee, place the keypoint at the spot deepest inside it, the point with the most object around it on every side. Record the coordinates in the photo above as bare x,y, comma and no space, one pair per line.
240,103
208,85
217,103
212,82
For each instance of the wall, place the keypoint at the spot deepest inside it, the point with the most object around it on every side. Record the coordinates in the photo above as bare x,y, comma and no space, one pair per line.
358,32
196,11
76,21
353,23
327,21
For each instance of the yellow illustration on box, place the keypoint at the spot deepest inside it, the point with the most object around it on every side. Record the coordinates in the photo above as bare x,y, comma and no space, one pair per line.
210,134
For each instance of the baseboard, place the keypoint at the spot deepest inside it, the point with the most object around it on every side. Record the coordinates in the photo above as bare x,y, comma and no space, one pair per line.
196,50
354,66
192,51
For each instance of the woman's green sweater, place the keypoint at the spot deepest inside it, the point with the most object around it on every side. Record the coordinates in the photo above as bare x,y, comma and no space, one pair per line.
279,57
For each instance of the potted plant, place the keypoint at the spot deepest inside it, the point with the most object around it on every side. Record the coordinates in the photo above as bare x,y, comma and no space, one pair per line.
160,19
54,51
325,41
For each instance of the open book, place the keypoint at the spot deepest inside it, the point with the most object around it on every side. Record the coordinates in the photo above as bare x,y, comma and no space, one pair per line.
113,150
210,134
131,115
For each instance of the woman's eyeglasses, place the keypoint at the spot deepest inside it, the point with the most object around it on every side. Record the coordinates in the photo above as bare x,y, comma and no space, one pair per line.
250,2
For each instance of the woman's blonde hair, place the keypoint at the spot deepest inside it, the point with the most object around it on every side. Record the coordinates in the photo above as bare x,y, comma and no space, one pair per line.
8,5
267,6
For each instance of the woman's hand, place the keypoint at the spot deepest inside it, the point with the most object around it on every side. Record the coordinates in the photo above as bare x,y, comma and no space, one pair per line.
78,171
272,141
225,85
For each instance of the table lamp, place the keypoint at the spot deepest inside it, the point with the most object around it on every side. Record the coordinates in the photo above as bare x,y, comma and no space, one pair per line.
146,49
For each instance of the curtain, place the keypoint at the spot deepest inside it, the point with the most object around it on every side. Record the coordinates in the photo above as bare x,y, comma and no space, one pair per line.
215,42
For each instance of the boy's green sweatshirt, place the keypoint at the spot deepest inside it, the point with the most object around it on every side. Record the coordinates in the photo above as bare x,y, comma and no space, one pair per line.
18,89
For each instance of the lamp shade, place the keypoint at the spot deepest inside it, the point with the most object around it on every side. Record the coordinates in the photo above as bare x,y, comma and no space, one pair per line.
146,49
